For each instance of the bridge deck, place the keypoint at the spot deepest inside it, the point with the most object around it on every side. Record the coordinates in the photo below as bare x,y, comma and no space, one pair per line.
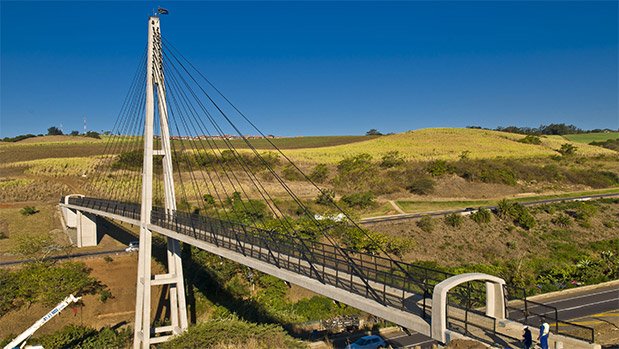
370,283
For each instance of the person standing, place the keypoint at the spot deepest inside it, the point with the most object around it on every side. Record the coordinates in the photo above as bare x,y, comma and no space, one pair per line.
527,339
544,332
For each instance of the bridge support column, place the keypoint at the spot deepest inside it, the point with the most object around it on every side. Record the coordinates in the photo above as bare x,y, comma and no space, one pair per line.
70,217
86,229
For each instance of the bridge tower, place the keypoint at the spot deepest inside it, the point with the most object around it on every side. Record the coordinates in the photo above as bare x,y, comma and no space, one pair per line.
156,98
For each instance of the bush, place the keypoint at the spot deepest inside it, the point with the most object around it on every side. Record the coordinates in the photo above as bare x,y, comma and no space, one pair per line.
3,235
234,333
104,295
93,134
108,259
326,197
320,173
74,336
483,215
392,159
360,200
517,213
28,210
438,168
421,186
567,149
531,139
357,173
290,173
426,224
453,220
562,220
208,199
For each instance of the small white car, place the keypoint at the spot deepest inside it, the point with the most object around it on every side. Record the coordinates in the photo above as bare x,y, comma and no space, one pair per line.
368,342
133,246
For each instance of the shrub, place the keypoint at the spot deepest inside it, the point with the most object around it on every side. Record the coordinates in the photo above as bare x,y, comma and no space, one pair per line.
453,220
438,168
326,197
517,213
567,149
67,337
357,172
108,259
28,210
360,200
483,215
3,235
292,174
392,159
104,295
562,220
208,199
531,139
93,134
421,186
399,246
233,333
426,224
320,173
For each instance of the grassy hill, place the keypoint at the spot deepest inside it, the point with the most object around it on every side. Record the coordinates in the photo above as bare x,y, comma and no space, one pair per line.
446,144
592,137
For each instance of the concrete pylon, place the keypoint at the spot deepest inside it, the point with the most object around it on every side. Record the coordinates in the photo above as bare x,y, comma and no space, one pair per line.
86,229
145,334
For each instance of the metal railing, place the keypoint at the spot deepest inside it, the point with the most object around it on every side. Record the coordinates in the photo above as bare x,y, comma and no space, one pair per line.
529,312
389,282
386,281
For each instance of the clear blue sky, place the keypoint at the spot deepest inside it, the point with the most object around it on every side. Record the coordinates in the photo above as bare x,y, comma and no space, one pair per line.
309,68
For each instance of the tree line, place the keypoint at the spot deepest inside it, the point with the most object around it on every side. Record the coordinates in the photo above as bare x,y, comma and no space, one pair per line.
551,129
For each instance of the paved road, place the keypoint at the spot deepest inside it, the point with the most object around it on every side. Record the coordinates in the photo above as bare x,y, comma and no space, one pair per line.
576,305
583,304
397,217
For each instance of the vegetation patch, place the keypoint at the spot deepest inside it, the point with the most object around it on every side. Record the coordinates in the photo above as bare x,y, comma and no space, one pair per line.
233,332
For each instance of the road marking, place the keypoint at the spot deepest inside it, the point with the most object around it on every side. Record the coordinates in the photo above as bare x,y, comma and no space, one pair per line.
579,306
578,297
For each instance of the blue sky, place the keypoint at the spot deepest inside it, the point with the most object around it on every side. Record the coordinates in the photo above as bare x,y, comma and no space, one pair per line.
311,68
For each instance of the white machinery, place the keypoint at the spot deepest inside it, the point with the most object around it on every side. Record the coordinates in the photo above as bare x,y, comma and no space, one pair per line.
20,341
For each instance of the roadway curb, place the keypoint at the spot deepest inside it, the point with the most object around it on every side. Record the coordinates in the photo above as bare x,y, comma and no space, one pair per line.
543,296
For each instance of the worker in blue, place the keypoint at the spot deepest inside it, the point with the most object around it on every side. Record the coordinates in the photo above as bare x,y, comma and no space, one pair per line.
527,339
544,332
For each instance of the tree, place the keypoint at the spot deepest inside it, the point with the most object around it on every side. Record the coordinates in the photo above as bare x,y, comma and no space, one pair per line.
74,133
93,134
373,132
54,131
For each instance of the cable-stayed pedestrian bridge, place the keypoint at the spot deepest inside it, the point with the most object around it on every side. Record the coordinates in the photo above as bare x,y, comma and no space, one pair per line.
179,163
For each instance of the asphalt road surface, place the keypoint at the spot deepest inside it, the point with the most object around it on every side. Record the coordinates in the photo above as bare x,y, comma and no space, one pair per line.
583,304
576,305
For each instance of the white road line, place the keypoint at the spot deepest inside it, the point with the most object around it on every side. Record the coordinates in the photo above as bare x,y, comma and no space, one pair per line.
578,297
420,343
581,306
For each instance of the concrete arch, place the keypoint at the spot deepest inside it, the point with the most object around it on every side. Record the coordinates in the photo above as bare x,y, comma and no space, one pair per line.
495,300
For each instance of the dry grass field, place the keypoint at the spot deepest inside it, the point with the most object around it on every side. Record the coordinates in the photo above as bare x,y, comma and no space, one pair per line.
446,144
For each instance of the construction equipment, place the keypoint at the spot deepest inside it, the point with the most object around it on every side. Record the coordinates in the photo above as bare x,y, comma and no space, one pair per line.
20,341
